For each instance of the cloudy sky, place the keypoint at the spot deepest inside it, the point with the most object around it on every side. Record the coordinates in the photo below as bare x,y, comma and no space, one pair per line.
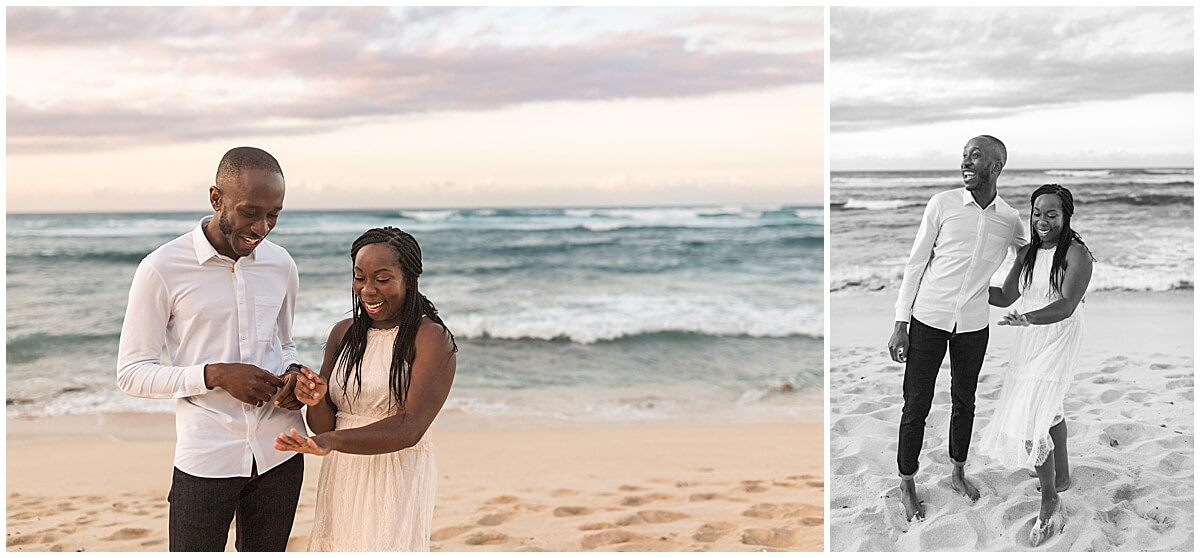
1062,87
131,108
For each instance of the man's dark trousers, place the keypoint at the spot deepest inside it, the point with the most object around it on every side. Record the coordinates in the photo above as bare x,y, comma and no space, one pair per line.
926,351
265,506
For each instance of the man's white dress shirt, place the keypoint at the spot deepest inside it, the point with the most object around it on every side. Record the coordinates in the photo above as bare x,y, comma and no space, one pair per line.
208,308
958,248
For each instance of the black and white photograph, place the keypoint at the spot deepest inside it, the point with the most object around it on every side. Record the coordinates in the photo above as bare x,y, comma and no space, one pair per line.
1011,358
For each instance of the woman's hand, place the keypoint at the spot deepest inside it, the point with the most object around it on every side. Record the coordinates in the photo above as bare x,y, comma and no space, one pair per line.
293,441
1014,318
310,387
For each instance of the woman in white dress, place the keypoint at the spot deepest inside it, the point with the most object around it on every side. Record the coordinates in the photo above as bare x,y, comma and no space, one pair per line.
1050,276
386,373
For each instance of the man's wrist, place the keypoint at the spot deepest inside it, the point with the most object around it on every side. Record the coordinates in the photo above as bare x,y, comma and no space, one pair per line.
209,381
293,367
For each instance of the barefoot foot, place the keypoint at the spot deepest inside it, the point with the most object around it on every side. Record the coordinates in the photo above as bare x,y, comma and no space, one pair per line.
913,510
1050,520
958,480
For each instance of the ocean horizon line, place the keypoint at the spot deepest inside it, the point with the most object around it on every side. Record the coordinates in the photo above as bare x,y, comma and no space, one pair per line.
814,205
1022,169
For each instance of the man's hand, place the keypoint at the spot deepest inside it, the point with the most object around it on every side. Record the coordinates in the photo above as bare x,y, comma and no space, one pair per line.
310,387
898,344
287,395
245,382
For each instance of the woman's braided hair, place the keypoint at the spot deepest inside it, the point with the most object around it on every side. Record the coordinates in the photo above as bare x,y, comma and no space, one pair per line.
354,343
1058,266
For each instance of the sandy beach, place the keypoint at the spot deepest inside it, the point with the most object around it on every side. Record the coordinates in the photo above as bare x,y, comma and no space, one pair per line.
99,483
1131,437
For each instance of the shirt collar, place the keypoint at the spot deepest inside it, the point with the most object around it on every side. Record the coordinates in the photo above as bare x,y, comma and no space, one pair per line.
968,199
204,249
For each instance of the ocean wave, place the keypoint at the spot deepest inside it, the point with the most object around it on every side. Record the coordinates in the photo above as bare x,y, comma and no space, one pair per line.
27,348
1079,173
874,205
1157,199
102,256
612,317
1105,277
431,215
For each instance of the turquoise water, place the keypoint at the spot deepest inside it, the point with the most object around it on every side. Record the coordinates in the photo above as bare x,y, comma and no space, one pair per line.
578,314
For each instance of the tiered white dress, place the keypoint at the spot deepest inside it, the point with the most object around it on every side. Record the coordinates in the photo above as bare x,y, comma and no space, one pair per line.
374,502
1039,374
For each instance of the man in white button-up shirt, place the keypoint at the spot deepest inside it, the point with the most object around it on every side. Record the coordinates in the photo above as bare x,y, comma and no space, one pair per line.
221,298
943,304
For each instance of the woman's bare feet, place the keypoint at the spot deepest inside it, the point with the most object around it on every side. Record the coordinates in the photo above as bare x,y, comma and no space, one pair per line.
1050,520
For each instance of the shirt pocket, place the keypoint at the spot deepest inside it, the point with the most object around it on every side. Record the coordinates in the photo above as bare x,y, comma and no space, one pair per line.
266,316
994,248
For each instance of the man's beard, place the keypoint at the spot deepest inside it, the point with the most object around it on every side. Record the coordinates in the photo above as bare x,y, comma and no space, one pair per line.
223,225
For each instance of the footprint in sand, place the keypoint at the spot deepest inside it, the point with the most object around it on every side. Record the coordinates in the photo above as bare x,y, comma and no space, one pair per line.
704,497
1174,462
493,519
1161,519
850,465
448,532
754,486
784,511
1108,396
774,538
571,511
1122,435
950,532
712,532
34,538
486,538
651,516
127,534
1160,366
1176,384
1125,493
503,499
639,500
596,526
605,538
629,488
563,492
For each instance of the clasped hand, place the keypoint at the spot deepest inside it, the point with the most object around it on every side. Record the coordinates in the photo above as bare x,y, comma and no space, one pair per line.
301,388
1014,318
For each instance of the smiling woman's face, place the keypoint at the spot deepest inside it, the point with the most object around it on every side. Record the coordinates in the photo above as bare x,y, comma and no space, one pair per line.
380,284
1046,219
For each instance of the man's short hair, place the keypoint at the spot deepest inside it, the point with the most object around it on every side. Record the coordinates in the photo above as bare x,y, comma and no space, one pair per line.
245,158
1000,146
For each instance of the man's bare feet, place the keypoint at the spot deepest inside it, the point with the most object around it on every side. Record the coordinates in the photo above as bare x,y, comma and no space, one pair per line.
958,480
908,495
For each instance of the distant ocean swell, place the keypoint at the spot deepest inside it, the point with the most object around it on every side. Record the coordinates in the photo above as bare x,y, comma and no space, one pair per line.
1138,223
650,313
1105,277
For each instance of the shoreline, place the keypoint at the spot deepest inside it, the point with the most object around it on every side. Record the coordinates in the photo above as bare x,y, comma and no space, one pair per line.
561,487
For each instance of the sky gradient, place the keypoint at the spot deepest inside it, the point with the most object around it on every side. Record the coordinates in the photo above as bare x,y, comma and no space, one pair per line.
1062,87
131,108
